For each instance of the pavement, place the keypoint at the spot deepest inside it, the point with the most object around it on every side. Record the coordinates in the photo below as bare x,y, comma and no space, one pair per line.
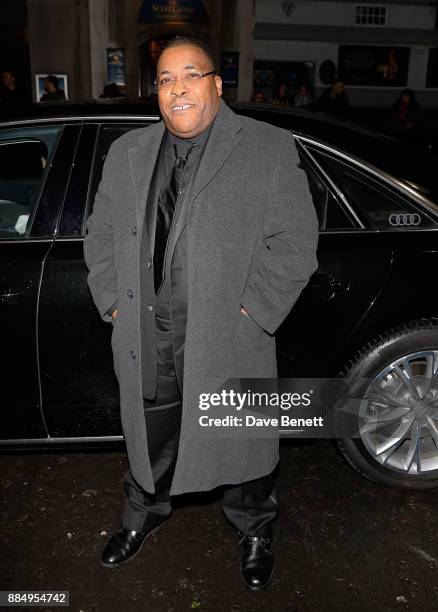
342,542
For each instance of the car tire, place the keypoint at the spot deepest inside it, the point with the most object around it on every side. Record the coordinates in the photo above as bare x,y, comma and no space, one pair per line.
399,343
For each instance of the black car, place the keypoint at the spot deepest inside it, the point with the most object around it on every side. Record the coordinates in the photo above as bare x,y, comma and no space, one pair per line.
368,313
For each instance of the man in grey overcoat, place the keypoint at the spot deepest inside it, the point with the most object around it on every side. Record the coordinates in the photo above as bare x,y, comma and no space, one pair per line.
202,236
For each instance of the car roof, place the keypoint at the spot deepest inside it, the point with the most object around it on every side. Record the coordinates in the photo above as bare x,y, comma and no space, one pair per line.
141,107
406,164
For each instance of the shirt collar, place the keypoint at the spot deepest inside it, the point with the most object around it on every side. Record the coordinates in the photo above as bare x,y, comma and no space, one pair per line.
199,140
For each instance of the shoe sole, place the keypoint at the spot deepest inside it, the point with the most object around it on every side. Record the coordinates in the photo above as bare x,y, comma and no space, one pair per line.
114,565
256,588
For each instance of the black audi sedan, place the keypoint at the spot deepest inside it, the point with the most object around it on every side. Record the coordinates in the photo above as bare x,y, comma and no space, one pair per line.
368,313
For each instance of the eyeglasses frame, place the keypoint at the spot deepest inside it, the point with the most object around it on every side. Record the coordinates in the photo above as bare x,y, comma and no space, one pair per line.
202,74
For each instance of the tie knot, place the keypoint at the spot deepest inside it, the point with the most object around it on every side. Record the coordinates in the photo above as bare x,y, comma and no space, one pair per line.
182,149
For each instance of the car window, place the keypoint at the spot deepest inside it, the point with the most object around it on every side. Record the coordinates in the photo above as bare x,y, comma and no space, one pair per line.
329,212
25,156
107,135
75,200
379,206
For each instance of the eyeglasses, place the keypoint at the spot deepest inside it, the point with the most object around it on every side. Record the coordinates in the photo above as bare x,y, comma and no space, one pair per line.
188,78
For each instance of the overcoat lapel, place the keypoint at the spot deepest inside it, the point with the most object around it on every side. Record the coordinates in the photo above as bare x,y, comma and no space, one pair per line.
223,138
142,159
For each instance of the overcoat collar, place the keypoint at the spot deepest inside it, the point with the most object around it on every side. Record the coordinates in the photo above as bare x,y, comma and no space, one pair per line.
223,138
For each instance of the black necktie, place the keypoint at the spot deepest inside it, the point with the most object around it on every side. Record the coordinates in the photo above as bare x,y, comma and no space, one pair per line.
166,207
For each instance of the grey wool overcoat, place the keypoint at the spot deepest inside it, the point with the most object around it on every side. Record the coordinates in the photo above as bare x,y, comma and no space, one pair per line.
252,235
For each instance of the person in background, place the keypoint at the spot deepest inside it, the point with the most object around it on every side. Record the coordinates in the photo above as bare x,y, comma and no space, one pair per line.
282,96
258,96
334,100
10,93
111,90
303,98
53,92
405,112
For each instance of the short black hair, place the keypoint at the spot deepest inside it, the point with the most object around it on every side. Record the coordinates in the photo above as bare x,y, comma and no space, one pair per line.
53,79
180,40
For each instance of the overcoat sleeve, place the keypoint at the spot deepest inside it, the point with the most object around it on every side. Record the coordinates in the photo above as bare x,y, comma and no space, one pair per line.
99,244
285,255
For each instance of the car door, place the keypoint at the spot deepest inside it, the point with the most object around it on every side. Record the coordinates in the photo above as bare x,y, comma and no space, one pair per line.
79,388
34,166
354,263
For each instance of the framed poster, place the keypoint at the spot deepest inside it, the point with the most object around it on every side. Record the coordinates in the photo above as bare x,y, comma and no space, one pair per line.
370,66
270,74
115,59
230,68
40,84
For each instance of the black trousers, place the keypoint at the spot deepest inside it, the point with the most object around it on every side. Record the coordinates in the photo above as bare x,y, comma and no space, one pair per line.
250,507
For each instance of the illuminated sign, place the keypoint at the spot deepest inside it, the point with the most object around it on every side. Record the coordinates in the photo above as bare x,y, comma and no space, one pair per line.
181,11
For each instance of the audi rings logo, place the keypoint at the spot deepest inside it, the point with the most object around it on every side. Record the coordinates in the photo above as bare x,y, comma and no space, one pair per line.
404,219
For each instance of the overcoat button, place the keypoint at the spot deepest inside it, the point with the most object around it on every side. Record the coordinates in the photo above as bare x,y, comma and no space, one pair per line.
132,354
129,292
134,230
150,307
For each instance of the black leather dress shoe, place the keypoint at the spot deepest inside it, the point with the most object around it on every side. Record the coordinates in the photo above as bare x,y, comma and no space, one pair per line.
125,544
257,562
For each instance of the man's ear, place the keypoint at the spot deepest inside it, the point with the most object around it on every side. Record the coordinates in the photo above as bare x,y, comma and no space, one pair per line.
218,83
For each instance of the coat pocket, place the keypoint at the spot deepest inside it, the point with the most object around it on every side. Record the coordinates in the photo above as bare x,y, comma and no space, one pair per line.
252,324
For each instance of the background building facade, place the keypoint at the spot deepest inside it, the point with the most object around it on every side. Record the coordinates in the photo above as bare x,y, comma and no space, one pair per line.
376,48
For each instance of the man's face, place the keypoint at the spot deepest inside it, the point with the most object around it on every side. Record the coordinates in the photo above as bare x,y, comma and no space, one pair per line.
187,108
339,87
7,79
282,91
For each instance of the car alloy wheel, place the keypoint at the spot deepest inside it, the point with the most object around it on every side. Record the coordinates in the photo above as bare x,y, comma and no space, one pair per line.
395,380
398,416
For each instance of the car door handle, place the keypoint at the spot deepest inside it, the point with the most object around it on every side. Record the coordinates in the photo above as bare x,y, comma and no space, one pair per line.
326,286
11,297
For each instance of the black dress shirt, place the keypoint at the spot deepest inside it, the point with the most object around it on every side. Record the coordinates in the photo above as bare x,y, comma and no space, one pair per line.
167,164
